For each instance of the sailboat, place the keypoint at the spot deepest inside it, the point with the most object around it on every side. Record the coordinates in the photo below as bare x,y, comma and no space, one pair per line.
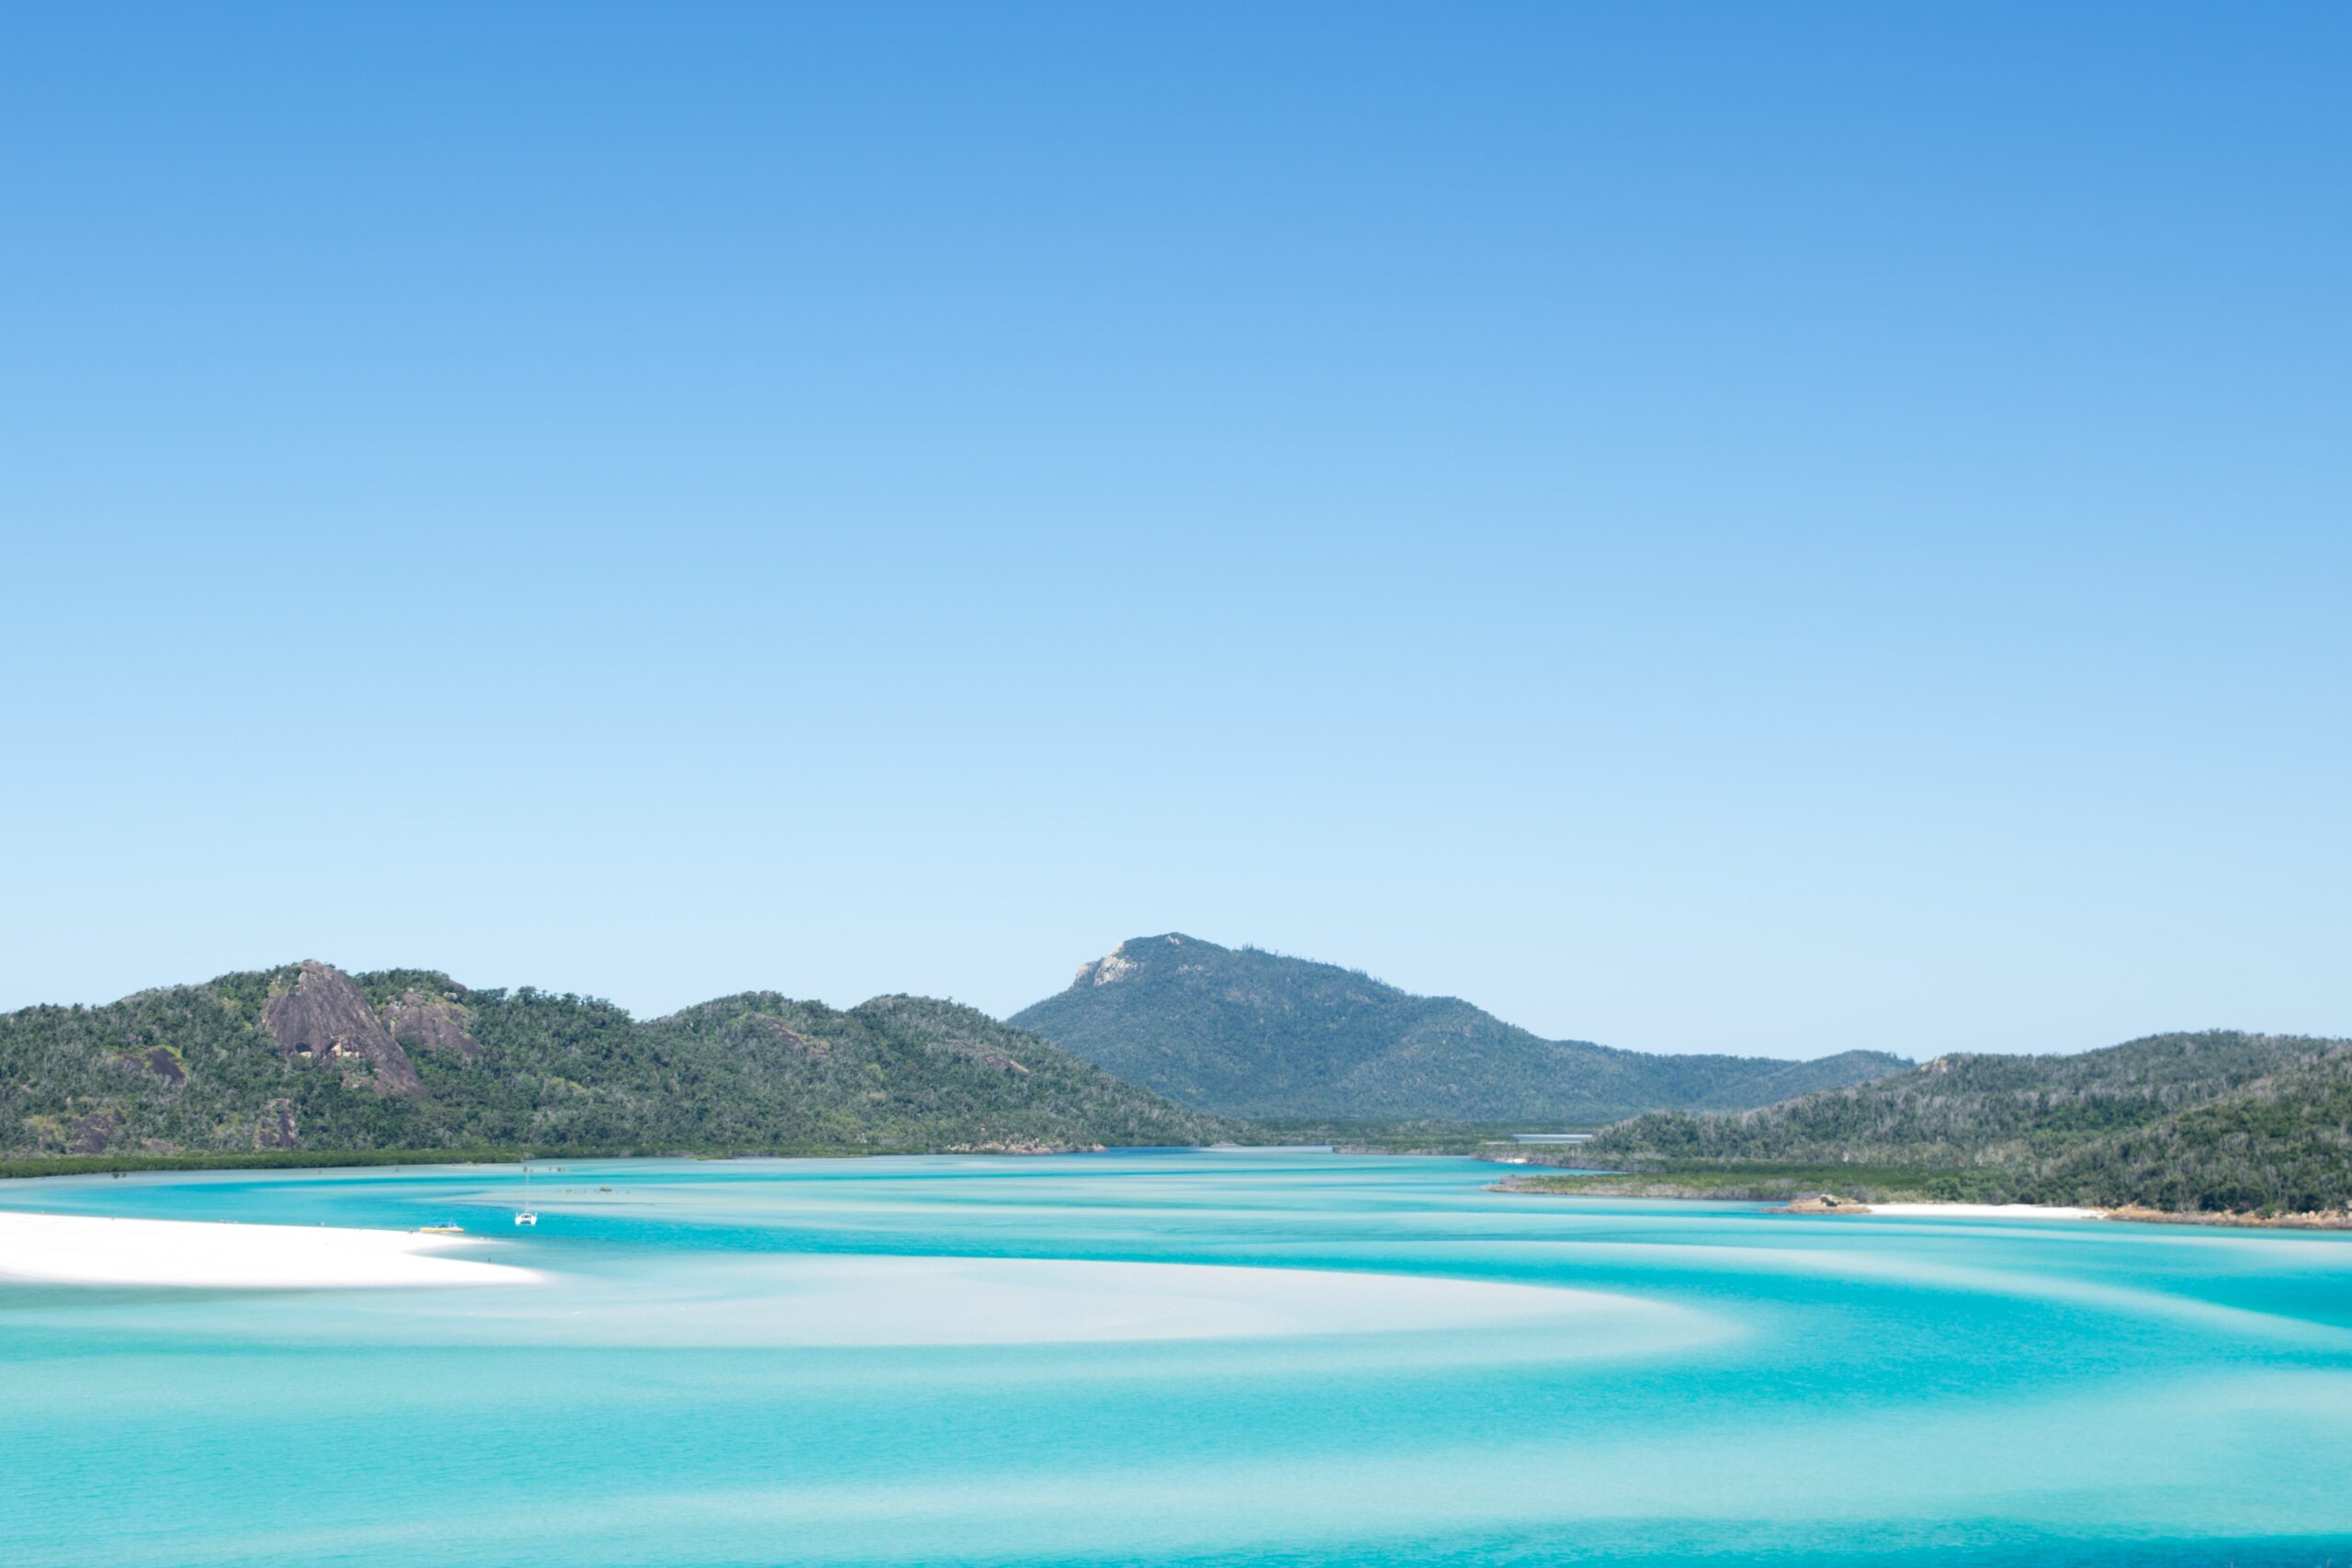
523,1216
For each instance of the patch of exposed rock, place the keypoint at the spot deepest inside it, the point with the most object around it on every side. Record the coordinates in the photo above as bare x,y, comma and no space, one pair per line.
986,1056
809,1045
1113,966
324,1019
160,1061
437,1024
274,1128
93,1133
1824,1203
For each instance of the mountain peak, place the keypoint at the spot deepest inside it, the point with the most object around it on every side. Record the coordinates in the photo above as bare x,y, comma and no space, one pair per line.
1132,954
1244,1031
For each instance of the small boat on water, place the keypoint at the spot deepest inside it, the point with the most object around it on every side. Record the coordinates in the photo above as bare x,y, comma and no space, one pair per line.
523,1216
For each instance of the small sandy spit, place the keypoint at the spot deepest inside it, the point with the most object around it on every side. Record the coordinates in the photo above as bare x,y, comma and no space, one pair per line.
93,1250
1826,1205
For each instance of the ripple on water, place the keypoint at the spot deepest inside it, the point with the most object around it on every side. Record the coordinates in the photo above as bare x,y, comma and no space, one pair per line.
849,1301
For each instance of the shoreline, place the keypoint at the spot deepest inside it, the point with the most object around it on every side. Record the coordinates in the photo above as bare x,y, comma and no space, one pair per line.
1922,1210
94,1249
1820,1204
2329,1220
43,1167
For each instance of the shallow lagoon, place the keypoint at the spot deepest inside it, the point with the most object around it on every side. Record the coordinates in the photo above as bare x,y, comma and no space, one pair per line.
1208,1356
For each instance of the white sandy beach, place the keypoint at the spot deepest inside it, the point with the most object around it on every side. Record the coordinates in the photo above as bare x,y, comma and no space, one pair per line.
1983,1212
94,1250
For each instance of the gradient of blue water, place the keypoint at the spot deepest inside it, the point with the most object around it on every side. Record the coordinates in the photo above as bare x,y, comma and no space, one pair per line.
1871,1391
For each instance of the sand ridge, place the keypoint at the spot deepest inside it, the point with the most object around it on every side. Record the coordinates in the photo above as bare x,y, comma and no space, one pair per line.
97,1251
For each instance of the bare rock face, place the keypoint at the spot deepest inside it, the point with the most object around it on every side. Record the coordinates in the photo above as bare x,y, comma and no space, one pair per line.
436,1023
1114,965
1824,1203
274,1128
93,1133
161,1062
986,1056
809,1045
324,1019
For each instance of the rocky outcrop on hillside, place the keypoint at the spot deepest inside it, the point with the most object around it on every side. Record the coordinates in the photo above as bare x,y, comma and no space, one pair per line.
305,1058
435,1023
323,1019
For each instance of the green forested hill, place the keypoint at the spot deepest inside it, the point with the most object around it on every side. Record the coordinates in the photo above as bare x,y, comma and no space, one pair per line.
1249,1034
2283,1143
305,1057
2217,1120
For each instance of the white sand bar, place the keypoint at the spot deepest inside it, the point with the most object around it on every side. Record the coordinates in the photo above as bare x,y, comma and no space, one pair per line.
93,1250
1984,1212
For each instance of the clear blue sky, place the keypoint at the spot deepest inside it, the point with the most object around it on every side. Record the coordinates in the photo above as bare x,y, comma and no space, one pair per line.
1760,527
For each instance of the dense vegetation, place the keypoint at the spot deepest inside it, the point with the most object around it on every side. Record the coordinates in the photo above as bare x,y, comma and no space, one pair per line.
2212,1122
2282,1144
306,1058
119,1162
1764,1181
1245,1032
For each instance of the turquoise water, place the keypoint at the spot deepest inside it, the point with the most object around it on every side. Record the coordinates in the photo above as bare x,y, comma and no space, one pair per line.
1284,1358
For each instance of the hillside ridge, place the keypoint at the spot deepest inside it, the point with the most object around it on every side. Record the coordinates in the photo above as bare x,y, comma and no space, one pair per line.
1243,1032
306,1057
2217,1120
